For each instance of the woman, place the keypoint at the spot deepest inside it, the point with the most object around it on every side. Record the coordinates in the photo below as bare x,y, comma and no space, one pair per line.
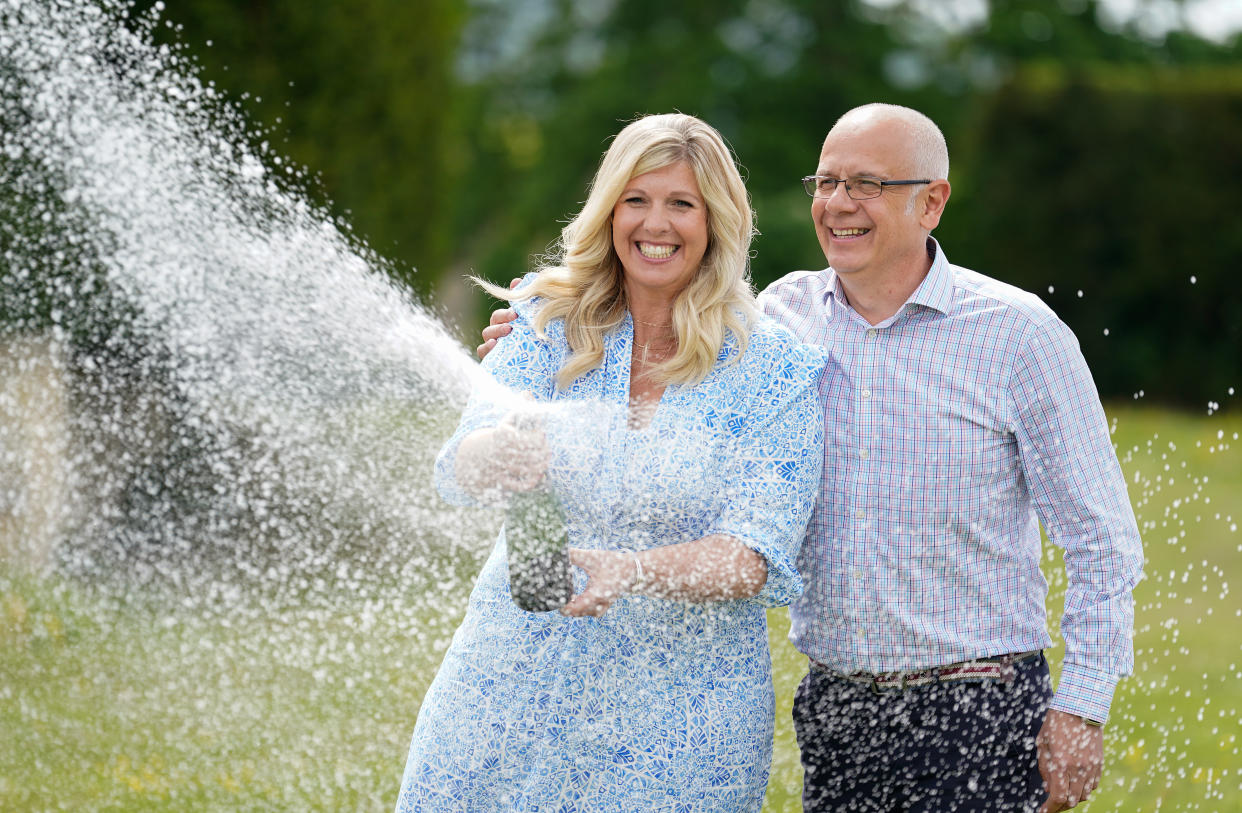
651,689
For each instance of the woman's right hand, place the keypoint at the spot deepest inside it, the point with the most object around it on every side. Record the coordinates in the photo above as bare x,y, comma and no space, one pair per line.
511,456
521,452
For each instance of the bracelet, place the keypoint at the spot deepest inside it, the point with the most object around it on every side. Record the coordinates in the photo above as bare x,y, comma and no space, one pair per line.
639,576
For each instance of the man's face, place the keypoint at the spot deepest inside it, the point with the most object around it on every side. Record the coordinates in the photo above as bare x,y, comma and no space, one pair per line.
875,235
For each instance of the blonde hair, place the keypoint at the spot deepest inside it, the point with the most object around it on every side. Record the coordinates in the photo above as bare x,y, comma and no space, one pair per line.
583,281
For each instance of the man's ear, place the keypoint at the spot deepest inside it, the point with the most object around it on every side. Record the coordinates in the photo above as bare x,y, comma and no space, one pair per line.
934,199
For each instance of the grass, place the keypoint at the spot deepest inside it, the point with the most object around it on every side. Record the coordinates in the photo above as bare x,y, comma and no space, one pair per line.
1172,740
124,706
126,702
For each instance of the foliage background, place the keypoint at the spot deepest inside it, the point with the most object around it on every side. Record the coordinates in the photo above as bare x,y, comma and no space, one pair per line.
1095,163
1095,153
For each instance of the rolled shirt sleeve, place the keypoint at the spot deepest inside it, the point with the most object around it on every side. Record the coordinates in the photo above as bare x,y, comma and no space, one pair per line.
778,461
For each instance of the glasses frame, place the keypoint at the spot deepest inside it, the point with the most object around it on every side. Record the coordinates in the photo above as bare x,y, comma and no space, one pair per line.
809,183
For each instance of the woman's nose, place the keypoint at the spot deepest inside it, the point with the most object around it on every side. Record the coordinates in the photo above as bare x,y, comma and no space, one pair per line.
656,220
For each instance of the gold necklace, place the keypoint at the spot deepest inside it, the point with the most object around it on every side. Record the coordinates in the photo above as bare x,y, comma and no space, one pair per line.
658,355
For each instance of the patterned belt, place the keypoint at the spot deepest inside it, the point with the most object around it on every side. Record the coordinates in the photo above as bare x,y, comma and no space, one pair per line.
999,668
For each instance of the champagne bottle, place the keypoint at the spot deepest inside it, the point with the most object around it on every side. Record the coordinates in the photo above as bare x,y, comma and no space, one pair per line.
538,548
538,544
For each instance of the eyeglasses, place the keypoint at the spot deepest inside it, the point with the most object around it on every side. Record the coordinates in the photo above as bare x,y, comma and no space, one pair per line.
821,186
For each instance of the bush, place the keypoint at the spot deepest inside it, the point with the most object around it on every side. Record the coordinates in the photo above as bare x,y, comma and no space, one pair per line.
1122,186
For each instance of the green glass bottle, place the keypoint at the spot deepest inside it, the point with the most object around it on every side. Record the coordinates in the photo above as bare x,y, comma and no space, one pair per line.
538,547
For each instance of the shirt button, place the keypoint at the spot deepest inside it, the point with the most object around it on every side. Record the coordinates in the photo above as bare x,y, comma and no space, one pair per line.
861,515
866,393
863,453
857,575
871,333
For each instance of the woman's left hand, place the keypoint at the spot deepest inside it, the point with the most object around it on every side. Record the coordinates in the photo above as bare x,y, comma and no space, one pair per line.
610,575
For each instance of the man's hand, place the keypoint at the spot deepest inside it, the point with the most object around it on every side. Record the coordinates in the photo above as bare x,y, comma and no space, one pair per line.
1071,759
497,327
610,575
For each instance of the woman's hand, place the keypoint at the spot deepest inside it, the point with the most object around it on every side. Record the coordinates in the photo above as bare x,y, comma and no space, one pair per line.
511,456
610,575
520,451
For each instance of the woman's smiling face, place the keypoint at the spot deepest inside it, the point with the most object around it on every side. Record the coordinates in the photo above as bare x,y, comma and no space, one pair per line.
659,231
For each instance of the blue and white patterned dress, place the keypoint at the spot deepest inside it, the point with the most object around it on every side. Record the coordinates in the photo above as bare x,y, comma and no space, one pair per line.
658,705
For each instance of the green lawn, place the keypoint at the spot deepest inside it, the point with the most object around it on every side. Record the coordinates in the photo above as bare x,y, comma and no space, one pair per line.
131,703
1172,741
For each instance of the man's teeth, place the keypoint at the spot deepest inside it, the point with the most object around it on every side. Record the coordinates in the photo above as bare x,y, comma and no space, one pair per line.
849,232
656,252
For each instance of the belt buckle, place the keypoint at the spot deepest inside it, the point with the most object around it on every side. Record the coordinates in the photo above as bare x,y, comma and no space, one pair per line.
887,680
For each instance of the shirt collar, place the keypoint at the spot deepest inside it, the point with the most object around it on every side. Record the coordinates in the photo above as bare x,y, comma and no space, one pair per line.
935,291
835,290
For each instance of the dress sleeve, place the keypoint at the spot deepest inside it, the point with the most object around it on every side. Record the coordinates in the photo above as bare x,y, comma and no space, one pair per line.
777,465
1080,497
520,365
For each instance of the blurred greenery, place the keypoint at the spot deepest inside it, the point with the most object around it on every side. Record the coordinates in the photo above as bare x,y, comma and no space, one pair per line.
1090,154
1094,163
356,92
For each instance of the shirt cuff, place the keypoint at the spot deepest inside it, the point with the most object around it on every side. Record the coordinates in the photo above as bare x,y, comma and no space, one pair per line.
1085,692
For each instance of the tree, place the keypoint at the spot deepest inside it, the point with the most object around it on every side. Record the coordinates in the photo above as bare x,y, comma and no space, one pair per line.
361,93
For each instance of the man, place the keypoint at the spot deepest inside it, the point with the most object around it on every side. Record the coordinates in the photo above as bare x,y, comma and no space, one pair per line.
960,413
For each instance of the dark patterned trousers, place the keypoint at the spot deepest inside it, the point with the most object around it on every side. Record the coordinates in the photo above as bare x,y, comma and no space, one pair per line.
951,746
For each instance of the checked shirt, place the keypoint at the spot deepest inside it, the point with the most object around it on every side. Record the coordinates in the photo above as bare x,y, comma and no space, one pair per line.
952,430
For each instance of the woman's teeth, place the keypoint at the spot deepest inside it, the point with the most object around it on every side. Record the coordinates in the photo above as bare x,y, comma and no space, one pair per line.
656,252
